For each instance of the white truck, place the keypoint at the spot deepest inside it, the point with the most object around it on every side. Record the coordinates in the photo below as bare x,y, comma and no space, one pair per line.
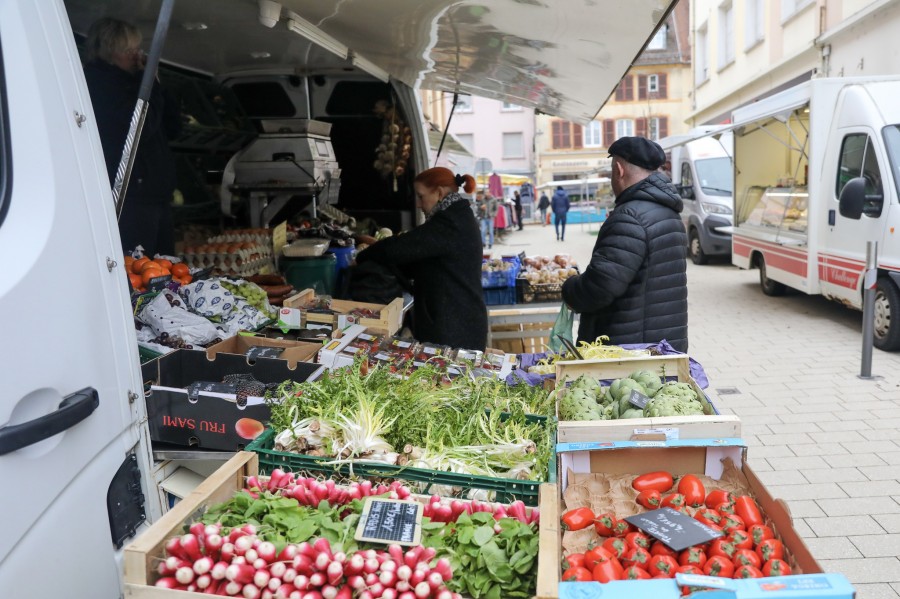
702,171
816,174
75,454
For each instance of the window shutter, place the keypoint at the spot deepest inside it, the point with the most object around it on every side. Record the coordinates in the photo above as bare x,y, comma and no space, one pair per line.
662,86
640,127
577,136
620,92
565,129
557,134
642,87
628,88
663,126
609,132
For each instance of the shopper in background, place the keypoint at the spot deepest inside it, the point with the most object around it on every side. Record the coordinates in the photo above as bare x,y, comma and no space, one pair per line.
527,191
635,288
543,204
561,206
443,259
487,211
517,203
114,68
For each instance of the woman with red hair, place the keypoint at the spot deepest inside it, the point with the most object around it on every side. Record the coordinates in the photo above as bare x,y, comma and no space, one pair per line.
443,258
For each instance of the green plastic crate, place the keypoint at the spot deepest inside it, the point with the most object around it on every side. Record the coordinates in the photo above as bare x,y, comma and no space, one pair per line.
147,355
507,489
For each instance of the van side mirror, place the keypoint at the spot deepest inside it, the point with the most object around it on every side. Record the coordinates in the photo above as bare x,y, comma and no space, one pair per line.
686,192
854,202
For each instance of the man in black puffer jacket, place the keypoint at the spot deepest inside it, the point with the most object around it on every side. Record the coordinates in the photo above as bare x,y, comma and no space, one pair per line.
635,288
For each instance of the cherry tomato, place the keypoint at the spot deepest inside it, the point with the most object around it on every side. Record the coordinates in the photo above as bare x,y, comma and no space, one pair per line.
770,549
616,546
776,567
664,565
623,528
636,556
747,571
578,519
607,571
673,500
746,508
718,496
732,522
594,556
693,556
741,539
576,560
578,574
659,481
692,488
709,517
635,573
723,548
658,548
649,499
760,533
688,569
604,524
638,539
746,557
719,565
725,508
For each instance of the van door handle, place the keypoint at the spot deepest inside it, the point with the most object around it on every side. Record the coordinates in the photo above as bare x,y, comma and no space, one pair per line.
72,410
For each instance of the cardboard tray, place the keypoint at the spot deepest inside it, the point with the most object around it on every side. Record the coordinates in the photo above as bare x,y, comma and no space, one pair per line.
389,322
711,425
294,351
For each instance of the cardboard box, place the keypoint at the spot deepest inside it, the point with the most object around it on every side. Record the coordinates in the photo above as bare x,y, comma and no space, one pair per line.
711,425
211,419
692,456
333,354
389,321
293,351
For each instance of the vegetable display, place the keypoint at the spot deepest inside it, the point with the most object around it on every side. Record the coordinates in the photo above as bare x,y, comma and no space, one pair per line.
589,351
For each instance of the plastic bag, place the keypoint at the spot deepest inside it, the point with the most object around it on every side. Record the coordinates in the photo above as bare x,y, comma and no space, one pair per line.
565,320
162,317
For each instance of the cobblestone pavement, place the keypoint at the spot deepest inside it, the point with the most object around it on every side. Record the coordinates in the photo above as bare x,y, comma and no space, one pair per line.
819,437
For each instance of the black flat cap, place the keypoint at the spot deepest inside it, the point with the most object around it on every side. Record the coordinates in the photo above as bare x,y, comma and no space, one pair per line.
639,151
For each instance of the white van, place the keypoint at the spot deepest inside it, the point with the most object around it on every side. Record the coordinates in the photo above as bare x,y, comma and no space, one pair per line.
703,173
75,455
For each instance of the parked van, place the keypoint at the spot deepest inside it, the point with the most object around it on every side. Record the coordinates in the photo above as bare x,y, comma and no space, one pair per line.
703,173
75,455
815,178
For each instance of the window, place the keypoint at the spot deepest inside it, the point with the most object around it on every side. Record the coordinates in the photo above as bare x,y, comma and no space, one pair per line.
687,182
858,160
791,7
467,140
566,135
652,83
625,91
464,104
624,128
593,135
726,34
657,127
659,39
510,107
701,73
754,22
513,145
653,86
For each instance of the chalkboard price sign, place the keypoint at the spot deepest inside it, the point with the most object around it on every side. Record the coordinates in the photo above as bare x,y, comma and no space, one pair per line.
638,399
258,351
390,521
676,530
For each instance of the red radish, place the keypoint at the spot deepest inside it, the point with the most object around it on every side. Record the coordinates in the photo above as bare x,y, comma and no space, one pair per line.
203,581
197,529
284,591
345,593
203,565
335,572
233,588
422,590
278,569
404,572
251,555
376,589
261,578
289,575
371,579
213,544
274,584
249,529
288,553
167,583
227,552
371,566
260,564
267,551
445,594
317,579
241,574
443,568
388,579
210,529
355,564
173,563
235,534
296,595
434,580
329,592
323,546
427,554
266,594
403,586
218,571
417,577
251,592
389,593
389,566
301,582
243,544
356,582
365,595
184,575
303,564
407,595
174,548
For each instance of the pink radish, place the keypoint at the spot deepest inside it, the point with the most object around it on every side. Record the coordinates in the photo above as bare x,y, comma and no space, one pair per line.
203,565
329,592
434,580
266,594
284,591
267,551
251,555
323,546
261,578
260,564
404,572
422,590
371,579
312,595
288,553
317,580
444,594
303,564
174,548
184,575
251,592
403,586
376,589
355,564
356,582
274,584
233,588
335,572
442,567
203,581
389,566
244,544
407,595
218,571
168,582
389,594
323,561
289,575
241,574
388,579
278,569
371,566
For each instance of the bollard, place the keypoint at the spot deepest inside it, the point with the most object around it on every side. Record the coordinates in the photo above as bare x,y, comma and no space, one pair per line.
868,326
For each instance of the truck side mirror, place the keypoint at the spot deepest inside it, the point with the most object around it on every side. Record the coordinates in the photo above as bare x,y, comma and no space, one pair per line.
854,202
686,192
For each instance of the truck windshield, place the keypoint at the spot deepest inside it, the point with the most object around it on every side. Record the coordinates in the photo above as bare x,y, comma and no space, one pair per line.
892,143
714,176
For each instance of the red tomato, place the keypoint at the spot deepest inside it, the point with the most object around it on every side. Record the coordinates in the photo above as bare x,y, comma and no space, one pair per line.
616,546
576,560
709,517
637,539
623,528
692,488
692,556
746,557
659,481
636,556
759,533
722,547
673,500
776,567
608,571
725,508
649,499
578,518
578,574
604,524
662,565
719,565
718,496
658,548
732,522
770,549
635,573
689,569
746,508
594,556
741,539
746,571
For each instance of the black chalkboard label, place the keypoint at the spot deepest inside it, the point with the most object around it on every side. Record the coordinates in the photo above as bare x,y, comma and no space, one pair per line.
676,530
638,399
390,521
158,283
258,351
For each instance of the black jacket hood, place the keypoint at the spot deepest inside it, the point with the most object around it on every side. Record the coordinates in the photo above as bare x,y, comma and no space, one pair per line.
655,188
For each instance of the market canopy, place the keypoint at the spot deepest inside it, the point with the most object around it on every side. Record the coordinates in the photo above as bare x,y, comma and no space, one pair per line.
506,179
575,183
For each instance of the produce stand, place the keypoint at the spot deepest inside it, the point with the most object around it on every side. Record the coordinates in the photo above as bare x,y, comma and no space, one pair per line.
388,321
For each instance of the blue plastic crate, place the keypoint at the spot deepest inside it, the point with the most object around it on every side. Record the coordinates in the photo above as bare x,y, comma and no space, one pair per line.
500,296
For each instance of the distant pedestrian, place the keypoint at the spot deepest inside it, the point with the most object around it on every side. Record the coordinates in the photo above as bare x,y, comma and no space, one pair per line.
487,211
543,204
527,191
517,202
561,206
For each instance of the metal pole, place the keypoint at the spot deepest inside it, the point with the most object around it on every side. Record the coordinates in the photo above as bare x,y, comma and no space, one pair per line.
865,371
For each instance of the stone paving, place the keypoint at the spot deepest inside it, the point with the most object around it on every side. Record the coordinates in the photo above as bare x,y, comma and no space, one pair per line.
819,437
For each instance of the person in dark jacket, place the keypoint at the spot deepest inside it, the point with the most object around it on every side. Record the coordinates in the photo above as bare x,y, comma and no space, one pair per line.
543,204
113,71
443,258
517,204
635,288
560,204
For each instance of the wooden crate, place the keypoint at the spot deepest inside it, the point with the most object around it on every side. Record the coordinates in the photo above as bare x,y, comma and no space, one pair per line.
521,330
711,425
389,322
550,544
145,552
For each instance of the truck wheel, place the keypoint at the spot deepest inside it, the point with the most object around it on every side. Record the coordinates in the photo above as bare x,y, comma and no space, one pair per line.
769,287
695,249
887,315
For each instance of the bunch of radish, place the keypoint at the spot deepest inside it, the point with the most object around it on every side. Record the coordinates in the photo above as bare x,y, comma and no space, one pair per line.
440,510
311,492
242,565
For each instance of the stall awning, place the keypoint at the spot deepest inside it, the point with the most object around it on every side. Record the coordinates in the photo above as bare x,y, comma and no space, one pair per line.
575,183
451,144
507,179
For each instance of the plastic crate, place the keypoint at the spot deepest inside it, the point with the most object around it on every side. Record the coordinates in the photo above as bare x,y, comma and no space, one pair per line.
503,278
147,355
500,296
528,293
506,489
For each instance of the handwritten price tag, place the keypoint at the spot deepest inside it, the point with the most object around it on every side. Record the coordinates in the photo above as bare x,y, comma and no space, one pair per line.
676,530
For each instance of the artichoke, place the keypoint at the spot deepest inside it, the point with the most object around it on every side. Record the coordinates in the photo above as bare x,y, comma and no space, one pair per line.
648,379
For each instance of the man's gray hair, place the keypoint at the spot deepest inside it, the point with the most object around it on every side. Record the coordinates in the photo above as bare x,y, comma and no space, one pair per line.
107,36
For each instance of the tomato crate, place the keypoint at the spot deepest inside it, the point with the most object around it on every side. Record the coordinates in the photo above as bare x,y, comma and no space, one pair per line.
506,490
